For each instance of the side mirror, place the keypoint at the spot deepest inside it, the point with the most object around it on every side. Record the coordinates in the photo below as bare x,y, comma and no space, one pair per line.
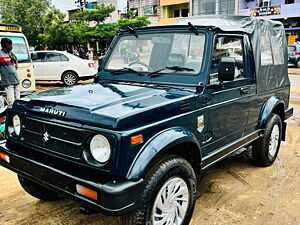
96,78
34,56
226,69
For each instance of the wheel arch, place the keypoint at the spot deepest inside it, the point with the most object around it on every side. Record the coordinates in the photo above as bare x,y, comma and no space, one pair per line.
173,141
69,70
272,105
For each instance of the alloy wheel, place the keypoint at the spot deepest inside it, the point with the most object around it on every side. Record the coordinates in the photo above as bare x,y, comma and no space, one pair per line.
171,203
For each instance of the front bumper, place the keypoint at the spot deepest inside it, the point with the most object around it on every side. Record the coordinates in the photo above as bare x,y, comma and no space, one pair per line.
115,198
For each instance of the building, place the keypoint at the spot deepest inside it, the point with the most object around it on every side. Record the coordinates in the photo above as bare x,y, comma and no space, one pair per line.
149,8
286,11
171,10
206,7
115,16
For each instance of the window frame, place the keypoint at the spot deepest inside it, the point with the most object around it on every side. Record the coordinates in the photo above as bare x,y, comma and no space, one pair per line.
48,53
242,37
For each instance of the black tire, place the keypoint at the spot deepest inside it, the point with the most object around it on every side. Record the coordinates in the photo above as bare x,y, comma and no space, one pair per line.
70,78
38,191
261,153
298,63
165,170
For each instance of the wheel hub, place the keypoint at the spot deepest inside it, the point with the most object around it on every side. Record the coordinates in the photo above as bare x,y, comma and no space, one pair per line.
274,140
171,203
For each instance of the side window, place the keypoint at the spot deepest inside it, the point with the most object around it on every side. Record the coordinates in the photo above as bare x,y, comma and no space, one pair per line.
63,57
265,49
228,46
40,57
53,57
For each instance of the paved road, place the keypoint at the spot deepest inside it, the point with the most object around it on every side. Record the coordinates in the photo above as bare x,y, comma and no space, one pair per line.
295,82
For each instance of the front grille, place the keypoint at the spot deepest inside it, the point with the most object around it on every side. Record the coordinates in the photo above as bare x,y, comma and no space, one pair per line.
52,137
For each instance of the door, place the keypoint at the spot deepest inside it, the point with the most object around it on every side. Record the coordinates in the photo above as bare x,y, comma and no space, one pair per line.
38,64
54,66
228,105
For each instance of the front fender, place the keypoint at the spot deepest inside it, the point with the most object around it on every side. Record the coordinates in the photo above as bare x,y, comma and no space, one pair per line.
157,146
267,110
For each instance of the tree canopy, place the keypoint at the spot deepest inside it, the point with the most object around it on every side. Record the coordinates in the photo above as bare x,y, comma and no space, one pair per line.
44,25
28,14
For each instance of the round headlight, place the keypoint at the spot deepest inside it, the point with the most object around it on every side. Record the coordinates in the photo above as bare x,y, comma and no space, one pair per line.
100,148
17,124
26,83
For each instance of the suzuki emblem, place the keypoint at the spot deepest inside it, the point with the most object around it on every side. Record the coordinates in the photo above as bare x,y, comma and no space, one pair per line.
46,137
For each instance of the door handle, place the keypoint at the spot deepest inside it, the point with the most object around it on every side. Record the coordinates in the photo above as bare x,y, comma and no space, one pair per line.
244,91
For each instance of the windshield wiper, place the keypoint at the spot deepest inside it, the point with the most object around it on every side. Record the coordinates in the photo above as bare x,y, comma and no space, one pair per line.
126,70
176,68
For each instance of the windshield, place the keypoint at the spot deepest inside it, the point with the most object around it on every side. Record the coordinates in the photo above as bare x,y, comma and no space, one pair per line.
154,52
20,48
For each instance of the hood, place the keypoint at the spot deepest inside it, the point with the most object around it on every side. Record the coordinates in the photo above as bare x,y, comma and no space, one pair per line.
114,106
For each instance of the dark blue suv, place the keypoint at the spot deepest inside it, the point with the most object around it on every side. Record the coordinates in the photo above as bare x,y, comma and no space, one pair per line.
132,142
294,55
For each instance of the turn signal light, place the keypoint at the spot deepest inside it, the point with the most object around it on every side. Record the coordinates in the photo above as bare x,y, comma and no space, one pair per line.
4,157
137,139
86,192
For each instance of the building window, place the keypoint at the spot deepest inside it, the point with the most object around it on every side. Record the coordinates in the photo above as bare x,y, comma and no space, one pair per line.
176,13
185,12
289,1
150,10
204,7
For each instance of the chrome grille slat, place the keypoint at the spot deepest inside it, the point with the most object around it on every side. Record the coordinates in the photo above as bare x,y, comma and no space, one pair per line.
65,141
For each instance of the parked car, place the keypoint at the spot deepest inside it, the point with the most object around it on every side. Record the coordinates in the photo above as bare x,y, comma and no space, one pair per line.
132,143
294,55
61,66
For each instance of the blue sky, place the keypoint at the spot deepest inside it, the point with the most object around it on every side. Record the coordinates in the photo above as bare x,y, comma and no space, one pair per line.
64,5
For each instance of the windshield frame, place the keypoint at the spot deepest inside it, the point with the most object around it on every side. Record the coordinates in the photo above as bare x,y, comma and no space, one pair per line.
27,47
171,77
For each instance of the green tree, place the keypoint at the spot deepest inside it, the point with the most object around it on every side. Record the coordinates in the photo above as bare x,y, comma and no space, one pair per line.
98,15
28,14
57,33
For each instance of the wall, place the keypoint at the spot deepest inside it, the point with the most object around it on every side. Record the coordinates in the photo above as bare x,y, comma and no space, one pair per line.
288,10
204,7
254,4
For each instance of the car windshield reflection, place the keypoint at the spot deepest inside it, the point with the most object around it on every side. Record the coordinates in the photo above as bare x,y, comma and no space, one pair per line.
150,53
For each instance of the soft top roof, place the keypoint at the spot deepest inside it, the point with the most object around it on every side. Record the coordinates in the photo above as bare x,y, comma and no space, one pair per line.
245,24
268,42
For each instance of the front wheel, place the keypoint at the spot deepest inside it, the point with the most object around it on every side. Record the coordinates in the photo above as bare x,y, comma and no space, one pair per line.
69,78
169,195
266,148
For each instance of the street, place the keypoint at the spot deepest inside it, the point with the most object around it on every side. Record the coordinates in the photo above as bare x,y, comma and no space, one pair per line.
232,192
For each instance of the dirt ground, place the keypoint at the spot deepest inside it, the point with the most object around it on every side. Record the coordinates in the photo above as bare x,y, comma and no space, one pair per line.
294,70
232,192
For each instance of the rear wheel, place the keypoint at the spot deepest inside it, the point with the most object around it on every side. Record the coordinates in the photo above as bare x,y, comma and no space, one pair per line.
265,149
69,78
169,195
38,191
298,63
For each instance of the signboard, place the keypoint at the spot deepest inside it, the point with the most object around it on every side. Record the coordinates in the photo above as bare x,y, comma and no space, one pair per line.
266,11
9,28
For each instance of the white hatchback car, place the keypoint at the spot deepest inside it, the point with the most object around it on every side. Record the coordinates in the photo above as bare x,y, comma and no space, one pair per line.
61,66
